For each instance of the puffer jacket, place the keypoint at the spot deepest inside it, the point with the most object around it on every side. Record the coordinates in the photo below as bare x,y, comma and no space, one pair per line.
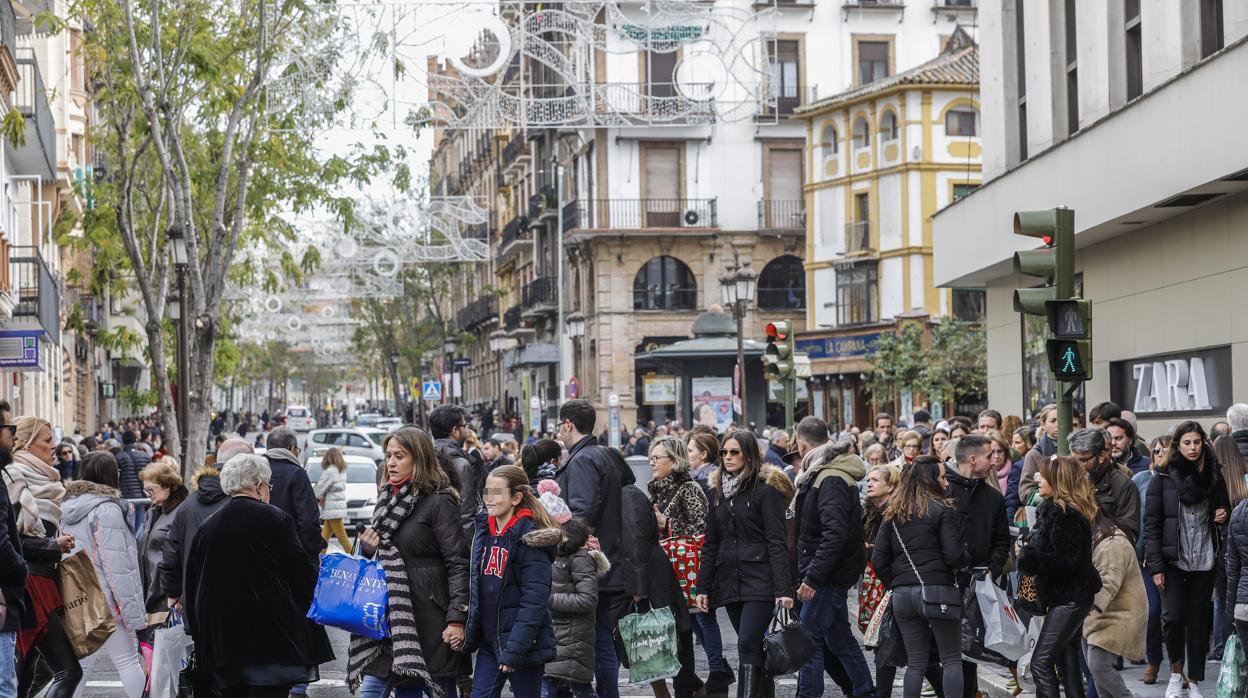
745,556
933,541
100,522
190,515
981,515
1236,556
830,532
332,487
1174,484
131,460
573,604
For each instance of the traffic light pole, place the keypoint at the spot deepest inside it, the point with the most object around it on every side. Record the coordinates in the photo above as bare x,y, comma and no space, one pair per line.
790,399
1064,282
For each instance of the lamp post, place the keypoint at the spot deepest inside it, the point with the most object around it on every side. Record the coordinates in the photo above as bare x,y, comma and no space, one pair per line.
450,345
498,344
398,387
576,330
178,311
737,286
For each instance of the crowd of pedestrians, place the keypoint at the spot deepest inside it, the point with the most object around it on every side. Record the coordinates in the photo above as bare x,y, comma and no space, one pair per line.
512,571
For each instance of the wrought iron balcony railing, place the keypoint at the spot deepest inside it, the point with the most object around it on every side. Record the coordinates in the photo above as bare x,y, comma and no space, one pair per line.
645,213
782,214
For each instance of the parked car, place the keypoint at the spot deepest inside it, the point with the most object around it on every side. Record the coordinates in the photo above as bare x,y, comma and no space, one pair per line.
299,418
352,441
388,424
367,419
361,486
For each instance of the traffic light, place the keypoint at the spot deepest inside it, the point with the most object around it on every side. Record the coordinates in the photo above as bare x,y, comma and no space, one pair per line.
1070,348
1054,263
1070,359
778,357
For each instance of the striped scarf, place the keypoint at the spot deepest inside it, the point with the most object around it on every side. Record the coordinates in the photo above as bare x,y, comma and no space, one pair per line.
393,508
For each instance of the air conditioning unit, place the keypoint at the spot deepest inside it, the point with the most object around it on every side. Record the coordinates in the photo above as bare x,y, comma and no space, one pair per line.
690,219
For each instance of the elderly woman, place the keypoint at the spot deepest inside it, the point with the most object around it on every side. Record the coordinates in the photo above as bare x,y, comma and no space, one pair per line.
248,585
163,485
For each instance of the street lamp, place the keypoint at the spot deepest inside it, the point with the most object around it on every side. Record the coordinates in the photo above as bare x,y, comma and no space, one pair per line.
737,286
450,345
181,260
499,341
576,330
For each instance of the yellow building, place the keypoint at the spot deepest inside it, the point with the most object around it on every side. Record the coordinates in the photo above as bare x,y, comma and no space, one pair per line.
881,159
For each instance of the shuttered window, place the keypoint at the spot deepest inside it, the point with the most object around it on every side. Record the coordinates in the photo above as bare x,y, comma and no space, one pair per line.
661,188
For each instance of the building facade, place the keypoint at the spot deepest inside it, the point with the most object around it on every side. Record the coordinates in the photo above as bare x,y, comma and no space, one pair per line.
881,159
1075,96
650,216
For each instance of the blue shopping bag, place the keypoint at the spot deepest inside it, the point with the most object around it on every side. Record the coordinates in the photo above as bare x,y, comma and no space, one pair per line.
351,595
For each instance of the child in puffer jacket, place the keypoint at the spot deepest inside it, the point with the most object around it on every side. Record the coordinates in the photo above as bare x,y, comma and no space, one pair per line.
573,602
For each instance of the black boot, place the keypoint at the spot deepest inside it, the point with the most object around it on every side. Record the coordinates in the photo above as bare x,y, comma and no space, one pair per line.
750,681
717,682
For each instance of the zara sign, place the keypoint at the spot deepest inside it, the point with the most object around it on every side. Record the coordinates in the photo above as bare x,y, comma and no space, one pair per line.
1182,384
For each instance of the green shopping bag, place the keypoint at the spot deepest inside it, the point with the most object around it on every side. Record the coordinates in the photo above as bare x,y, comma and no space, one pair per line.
1231,680
649,639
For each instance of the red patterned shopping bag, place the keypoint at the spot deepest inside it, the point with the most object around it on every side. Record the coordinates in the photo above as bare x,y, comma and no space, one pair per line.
685,554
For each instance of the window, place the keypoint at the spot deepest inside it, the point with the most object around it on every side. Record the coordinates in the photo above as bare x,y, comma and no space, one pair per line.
828,142
872,61
1072,70
857,297
664,283
783,207
785,75
1020,59
862,136
1135,50
660,74
961,190
888,126
782,285
661,185
961,121
970,304
1211,38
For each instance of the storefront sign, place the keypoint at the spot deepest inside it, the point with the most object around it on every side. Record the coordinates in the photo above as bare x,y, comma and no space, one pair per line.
1182,384
838,347
658,390
20,350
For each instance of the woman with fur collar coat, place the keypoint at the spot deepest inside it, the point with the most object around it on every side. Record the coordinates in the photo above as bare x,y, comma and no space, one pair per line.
1185,503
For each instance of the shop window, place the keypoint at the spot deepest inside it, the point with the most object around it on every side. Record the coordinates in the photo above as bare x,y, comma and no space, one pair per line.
782,285
664,283
857,294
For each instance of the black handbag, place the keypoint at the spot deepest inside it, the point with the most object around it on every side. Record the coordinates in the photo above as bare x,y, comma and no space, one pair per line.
787,647
940,601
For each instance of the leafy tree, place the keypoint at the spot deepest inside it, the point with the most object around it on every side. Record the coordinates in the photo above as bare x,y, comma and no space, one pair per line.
192,146
952,361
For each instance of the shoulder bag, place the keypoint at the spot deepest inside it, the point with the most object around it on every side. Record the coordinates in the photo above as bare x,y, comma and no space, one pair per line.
940,601
787,646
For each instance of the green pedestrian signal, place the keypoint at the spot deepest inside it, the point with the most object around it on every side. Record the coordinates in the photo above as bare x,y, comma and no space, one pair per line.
1070,359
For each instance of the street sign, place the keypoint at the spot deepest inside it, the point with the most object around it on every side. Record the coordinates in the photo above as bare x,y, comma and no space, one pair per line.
460,363
613,412
574,388
432,390
535,413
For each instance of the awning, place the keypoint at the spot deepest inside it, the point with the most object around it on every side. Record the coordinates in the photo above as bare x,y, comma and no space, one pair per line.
538,354
703,348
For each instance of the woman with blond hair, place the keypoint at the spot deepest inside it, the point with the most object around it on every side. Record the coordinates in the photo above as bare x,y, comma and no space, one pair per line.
911,445
163,486
1058,553
331,493
36,493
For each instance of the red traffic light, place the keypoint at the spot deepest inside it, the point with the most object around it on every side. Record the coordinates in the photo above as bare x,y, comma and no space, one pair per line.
774,333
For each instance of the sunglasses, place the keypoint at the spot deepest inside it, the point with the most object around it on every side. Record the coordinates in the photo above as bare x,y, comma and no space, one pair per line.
734,452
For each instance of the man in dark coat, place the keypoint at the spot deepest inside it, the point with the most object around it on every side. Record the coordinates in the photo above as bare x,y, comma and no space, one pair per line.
830,559
206,499
1116,496
981,512
130,460
1237,417
12,565
249,584
589,481
492,449
448,425
292,490
1124,450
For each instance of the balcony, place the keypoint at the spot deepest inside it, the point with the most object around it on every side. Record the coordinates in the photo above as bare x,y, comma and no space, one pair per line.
956,7
514,321
91,310
641,214
477,313
514,233
36,296
858,238
544,204
665,298
37,156
540,296
645,103
516,155
782,215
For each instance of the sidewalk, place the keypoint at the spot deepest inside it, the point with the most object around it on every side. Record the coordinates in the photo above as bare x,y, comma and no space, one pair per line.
992,680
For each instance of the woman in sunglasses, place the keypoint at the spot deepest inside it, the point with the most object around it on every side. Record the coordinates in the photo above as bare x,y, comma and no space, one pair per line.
745,560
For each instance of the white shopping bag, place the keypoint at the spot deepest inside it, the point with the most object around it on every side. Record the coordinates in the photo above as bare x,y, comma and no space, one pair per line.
170,654
1026,680
1004,632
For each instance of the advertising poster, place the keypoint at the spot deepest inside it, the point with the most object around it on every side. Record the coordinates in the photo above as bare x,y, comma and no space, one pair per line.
712,402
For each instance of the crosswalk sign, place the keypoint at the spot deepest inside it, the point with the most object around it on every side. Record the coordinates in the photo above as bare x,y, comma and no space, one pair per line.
432,390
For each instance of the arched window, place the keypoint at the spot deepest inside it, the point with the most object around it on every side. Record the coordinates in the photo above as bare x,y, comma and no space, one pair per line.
962,121
664,283
828,141
782,285
888,126
862,136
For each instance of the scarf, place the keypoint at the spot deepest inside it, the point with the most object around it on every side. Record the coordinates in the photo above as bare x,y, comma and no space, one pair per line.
281,454
393,508
36,488
729,482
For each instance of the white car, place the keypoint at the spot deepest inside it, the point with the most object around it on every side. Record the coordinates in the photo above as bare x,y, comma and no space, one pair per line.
353,442
388,424
299,418
361,487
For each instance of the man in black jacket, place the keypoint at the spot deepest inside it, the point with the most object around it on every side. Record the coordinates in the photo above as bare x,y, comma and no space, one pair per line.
291,490
448,425
985,530
590,483
830,559
12,565
1116,495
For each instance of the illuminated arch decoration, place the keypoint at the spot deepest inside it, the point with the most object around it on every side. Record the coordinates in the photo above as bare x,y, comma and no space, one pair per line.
490,64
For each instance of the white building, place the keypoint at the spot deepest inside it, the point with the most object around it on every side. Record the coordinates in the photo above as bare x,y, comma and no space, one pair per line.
1130,113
